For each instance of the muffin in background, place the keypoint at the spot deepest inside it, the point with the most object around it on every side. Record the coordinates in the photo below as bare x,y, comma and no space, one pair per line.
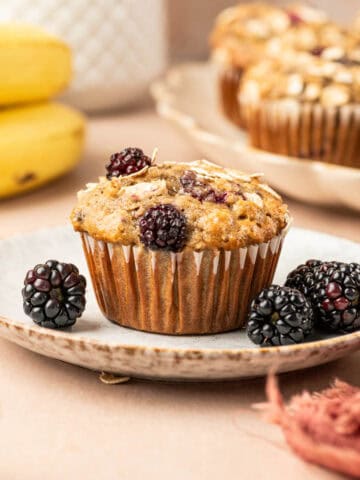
246,33
180,248
306,105
238,40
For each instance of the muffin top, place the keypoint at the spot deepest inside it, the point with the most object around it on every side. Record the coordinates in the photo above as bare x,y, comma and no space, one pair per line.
241,33
312,38
171,206
331,78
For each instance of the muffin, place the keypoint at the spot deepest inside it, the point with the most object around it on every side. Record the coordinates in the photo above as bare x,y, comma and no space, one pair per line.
246,33
305,106
238,39
179,248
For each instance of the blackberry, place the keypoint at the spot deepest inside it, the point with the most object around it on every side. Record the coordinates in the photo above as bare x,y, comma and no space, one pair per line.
199,189
163,227
54,294
302,277
335,296
126,162
279,316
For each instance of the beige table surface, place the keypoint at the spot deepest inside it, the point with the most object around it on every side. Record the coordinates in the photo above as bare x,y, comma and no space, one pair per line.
58,421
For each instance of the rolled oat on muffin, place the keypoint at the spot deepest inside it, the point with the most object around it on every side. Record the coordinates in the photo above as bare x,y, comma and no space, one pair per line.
179,248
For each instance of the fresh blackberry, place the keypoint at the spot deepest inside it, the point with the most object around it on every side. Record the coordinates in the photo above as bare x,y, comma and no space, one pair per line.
302,277
335,296
199,189
279,316
129,160
54,294
163,227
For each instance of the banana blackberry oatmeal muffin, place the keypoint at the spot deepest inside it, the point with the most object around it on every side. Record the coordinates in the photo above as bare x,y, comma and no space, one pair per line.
306,105
238,39
245,33
178,248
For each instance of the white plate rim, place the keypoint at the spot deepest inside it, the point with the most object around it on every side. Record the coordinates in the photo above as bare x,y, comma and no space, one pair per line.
285,350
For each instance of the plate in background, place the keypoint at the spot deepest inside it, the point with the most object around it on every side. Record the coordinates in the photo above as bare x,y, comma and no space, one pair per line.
188,97
98,344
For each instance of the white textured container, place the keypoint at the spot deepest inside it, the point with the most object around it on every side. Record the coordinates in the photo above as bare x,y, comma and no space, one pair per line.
119,45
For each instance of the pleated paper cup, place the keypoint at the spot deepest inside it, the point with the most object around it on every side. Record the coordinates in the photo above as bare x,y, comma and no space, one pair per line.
305,130
179,293
229,80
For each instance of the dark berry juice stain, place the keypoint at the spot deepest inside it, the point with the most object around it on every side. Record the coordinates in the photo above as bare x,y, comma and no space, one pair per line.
317,51
199,189
295,19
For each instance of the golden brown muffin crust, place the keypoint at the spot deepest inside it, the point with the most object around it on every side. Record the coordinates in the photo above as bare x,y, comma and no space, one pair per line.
249,212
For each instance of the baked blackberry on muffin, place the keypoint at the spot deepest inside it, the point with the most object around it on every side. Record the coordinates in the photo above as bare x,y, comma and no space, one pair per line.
179,248
246,33
306,105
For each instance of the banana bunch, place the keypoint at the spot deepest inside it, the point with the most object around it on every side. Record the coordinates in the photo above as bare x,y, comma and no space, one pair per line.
39,139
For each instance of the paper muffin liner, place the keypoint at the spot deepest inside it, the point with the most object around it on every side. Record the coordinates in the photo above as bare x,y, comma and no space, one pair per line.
229,79
309,131
179,293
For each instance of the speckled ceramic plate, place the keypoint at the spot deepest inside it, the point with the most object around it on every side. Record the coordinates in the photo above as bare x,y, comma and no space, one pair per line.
97,344
188,97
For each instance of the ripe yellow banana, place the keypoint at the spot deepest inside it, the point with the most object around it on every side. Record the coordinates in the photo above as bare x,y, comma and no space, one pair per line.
34,64
38,142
